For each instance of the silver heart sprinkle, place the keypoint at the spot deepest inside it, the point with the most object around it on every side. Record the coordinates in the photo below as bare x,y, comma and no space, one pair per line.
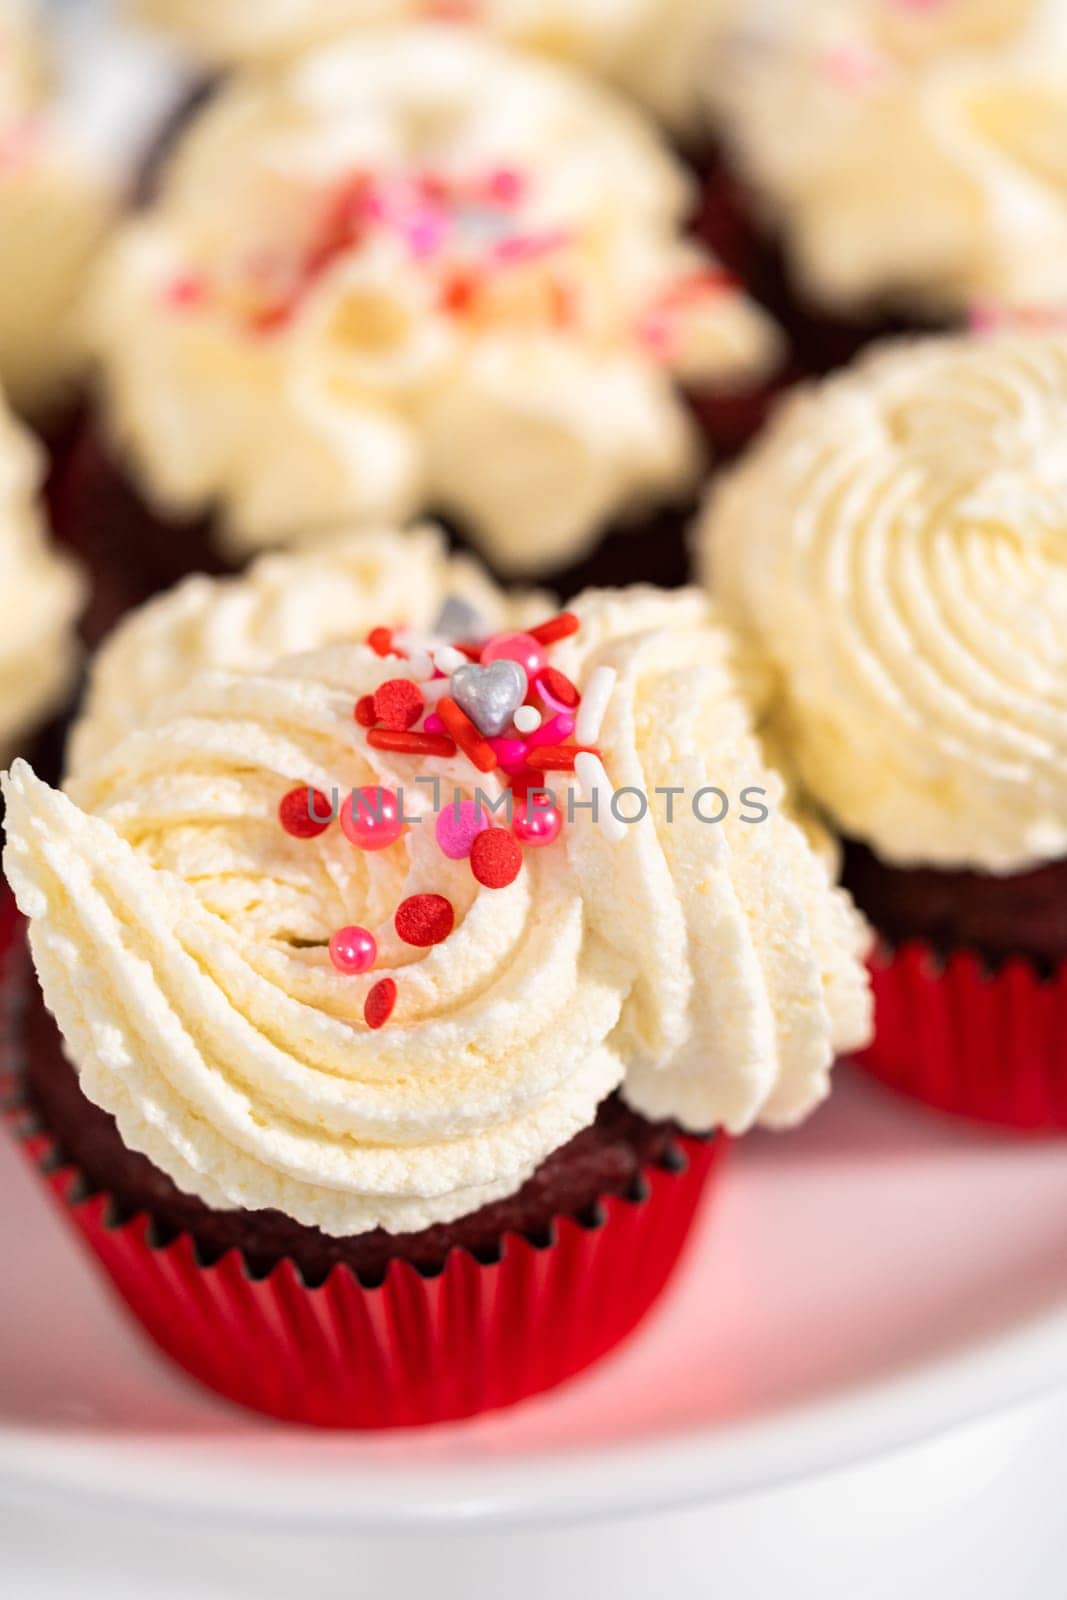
489,695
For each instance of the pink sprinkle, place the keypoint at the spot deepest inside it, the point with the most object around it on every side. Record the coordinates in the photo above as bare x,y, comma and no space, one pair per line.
433,723
458,826
510,753
520,247
520,647
536,820
553,732
353,950
506,186
426,232
184,291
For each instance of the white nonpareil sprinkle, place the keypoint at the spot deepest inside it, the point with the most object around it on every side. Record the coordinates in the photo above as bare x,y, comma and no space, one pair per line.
595,697
436,689
448,659
527,719
420,666
593,780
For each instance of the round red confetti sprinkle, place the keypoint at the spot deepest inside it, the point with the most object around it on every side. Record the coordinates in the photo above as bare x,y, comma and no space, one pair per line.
381,641
496,857
378,1006
398,704
559,686
305,813
412,744
365,715
555,628
424,919
466,735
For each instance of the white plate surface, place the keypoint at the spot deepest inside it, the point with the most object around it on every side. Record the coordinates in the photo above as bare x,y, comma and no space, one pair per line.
868,1281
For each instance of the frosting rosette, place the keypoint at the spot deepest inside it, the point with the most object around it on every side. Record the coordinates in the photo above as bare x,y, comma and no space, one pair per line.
287,1009
414,269
40,595
651,49
895,548
912,155
53,210
285,603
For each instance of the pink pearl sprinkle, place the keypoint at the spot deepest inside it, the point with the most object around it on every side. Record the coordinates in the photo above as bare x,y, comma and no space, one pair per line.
536,820
510,753
520,647
553,732
353,950
371,818
457,827
433,723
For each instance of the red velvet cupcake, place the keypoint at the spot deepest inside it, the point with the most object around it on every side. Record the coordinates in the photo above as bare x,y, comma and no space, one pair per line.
389,1110
894,550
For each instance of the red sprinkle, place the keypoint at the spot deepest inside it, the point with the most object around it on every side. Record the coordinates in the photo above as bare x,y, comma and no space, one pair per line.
365,714
412,744
466,735
559,686
557,757
496,858
424,919
470,648
381,641
295,812
378,1006
555,628
398,703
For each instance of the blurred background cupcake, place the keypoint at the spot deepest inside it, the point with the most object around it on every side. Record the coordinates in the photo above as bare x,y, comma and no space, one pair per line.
892,164
409,272
437,1088
55,202
895,549
41,594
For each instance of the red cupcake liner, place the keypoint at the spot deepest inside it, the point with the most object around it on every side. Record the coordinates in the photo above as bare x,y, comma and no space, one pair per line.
414,1349
991,1046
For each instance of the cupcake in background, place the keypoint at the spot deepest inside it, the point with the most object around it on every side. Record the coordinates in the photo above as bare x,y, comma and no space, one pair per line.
54,208
651,50
895,546
41,594
893,165
410,271
415,1105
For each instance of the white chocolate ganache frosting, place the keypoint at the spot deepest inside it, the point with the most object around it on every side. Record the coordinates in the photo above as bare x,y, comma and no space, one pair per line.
54,205
651,49
414,269
284,603
911,154
280,1015
896,548
40,595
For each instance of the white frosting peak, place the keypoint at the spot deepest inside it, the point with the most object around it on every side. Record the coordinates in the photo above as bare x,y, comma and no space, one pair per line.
895,547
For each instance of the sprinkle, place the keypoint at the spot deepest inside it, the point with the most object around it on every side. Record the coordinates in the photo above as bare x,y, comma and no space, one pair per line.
496,858
448,658
520,647
595,783
424,919
527,720
458,619
437,687
553,732
353,950
598,692
412,744
381,641
556,628
421,665
466,735
510,753
471,648
458,826
305,813
372,818
537,821
184,291
555,685
398,703
505,185
365,713
556,758
433,724
378,1007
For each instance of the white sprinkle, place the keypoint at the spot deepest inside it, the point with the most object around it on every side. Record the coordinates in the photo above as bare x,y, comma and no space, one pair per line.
420,666
589,770
435,690
595,697
527,719
448,659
